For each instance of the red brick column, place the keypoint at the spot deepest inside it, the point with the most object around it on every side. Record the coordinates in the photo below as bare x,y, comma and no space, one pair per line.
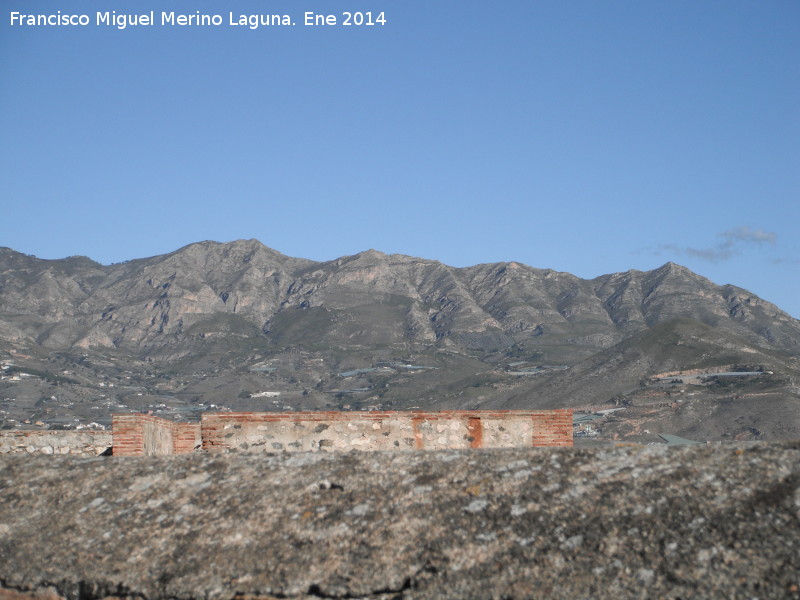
127,434
475,428
552,427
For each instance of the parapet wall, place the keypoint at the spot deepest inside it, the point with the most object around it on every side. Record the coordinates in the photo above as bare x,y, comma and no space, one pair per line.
54,442
341,431
146,435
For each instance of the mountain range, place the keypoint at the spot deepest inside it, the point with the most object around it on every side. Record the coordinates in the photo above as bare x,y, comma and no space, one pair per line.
241,326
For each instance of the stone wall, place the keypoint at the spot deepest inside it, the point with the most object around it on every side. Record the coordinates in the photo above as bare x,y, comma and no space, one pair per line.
89,443
146,435
341,431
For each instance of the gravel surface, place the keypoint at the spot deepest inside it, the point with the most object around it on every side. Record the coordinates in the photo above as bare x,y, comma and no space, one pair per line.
624,522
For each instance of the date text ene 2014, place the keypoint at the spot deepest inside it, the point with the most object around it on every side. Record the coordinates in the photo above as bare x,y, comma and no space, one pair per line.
346,19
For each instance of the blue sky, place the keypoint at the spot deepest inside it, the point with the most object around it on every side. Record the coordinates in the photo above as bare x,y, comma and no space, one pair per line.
589,137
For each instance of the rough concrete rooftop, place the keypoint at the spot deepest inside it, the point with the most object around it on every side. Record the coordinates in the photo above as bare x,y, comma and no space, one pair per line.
654,522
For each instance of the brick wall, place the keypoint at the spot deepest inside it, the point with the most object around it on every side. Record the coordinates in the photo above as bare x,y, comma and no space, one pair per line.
145,435
552,428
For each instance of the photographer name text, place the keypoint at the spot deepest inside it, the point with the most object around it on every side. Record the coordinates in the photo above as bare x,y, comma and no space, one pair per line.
153,18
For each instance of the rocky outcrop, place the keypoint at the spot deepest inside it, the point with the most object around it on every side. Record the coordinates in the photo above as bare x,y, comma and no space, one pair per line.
704,522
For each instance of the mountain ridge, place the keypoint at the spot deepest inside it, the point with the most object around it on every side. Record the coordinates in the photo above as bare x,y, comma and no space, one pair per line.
219,321
511,297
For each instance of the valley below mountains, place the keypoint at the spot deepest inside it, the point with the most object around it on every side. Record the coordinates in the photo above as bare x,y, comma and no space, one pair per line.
239,326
